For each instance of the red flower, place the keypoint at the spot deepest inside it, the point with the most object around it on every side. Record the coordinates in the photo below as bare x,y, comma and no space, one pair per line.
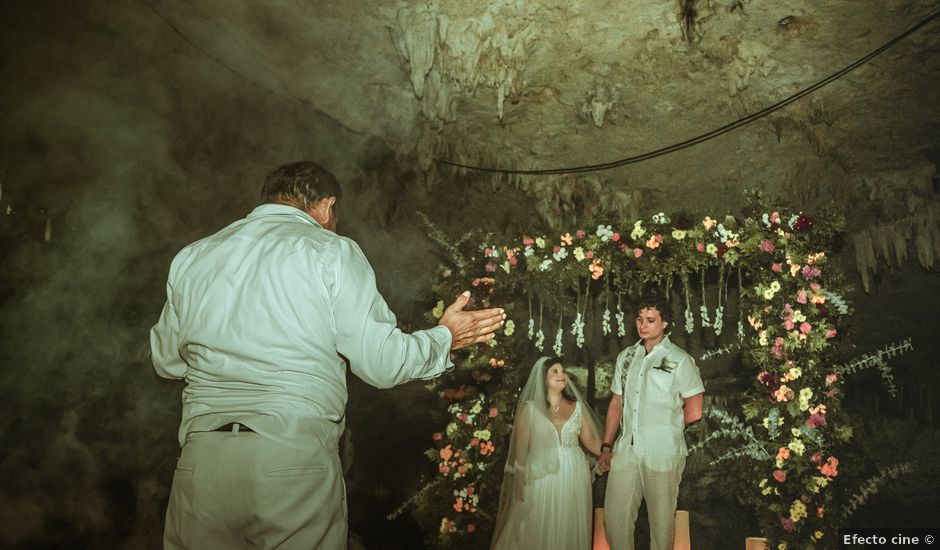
803,223
471,527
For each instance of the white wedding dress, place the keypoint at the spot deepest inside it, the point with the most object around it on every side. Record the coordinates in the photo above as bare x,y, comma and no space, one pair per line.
555,511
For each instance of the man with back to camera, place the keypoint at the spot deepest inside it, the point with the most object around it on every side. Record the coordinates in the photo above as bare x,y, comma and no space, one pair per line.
657,391
258,320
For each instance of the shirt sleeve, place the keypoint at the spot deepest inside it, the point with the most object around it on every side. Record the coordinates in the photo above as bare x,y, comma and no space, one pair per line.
615,386
165,342
688,378
366,330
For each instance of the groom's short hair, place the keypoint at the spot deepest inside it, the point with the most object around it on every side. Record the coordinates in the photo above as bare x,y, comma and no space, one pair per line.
650,300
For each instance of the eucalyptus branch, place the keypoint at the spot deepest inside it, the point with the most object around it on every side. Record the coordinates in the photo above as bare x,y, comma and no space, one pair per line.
870,487
724,350
878,359
451,248
404,505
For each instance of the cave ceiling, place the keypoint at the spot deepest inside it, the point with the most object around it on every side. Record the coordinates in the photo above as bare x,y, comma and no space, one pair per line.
546,83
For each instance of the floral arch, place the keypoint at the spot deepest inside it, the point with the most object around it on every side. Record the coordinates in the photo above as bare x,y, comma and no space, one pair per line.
557,286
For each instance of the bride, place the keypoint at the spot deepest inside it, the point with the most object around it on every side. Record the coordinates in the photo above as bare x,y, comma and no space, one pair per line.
545,500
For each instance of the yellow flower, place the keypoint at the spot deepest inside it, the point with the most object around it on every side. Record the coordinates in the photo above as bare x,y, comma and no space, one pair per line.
797,510
509,328
438,310
794,269
795,373
797,447
709,223
775,286
540,242
579,254
482,435
476,408
566,239
768,293
678,234
712,249
638,230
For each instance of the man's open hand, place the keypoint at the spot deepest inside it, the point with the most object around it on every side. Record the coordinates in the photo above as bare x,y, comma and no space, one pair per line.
470,327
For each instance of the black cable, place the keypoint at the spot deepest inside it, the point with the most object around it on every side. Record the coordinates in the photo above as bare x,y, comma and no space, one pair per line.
709,135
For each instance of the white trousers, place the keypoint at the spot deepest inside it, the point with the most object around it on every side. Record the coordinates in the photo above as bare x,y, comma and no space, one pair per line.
632,479
241,490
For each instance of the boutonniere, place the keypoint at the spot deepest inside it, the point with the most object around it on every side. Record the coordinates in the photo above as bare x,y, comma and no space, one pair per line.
666,365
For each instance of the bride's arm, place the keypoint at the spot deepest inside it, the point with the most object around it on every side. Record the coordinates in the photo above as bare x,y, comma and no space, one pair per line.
589,436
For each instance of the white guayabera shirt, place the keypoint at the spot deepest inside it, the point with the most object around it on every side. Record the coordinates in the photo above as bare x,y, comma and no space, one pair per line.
257,316
653,387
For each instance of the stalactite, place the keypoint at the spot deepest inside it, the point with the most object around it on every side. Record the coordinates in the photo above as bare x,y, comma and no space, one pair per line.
889,242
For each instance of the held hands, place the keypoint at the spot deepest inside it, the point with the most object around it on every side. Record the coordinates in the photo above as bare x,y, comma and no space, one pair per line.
470,327
603,463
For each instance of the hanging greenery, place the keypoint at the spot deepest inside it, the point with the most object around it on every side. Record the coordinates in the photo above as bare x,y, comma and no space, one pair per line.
790,422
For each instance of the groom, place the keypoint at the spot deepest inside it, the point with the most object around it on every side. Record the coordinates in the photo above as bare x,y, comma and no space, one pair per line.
657,391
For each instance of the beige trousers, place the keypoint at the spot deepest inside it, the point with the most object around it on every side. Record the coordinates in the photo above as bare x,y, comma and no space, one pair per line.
241,490
632,479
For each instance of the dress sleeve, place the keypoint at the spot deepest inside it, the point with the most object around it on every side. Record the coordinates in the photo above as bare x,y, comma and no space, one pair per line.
165,342
688,378
366,330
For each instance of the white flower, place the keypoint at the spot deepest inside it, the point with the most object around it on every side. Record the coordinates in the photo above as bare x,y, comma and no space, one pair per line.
660,218
540,340
557,347
531,328
528,251
689,321
561,254
546,263
678,234
768,293
604,232
579,254
792,221
605,324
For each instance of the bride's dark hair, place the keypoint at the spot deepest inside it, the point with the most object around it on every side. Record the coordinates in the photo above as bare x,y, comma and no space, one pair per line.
566,393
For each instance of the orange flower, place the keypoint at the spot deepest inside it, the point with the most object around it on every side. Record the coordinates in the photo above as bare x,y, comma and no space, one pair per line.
596,269
446,453
709,223
566,239
830,468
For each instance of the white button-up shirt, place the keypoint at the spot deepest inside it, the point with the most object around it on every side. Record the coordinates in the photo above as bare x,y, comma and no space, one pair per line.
257,316
653,387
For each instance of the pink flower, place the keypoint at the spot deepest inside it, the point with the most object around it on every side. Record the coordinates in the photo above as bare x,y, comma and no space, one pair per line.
831,333
780,475
491,267
700,247
528,241
637,252
437,436
488,252
624,247
810,272
801,296
815,286
589,254
579,233
767,245
461,469
778,267
557,249
783,453
817,457
615,237
471,528
513,260
831,379
444,469
805,328
816,421
788,524
775,217
788,324
493,412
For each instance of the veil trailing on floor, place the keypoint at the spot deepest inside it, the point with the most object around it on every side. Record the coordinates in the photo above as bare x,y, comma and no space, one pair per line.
532,454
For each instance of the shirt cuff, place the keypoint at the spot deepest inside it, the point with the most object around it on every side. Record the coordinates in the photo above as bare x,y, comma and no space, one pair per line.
441,342
694,391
